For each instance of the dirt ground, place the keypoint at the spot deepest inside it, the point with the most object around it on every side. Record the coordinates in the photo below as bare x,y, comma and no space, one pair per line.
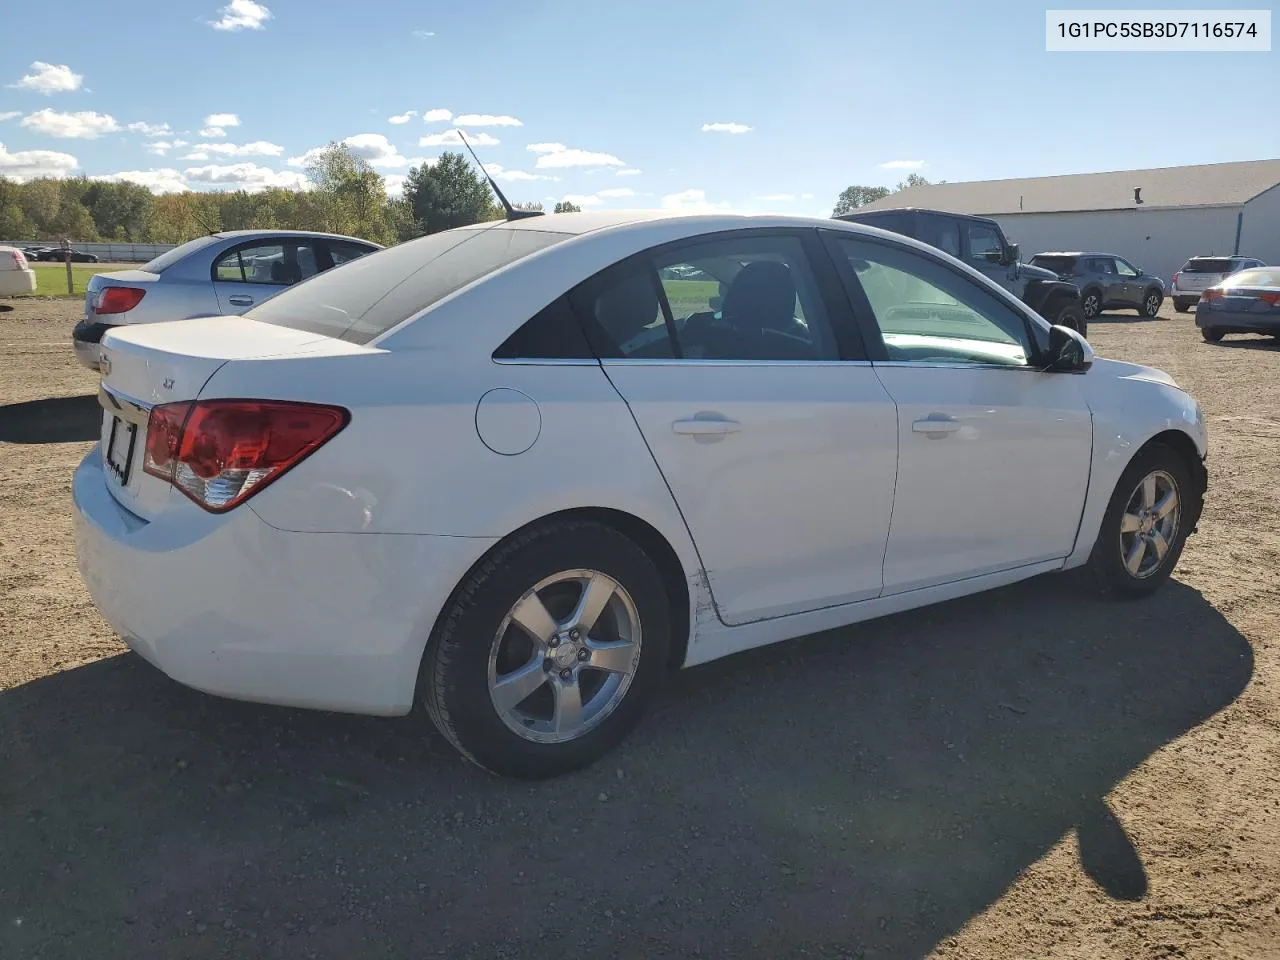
1029,773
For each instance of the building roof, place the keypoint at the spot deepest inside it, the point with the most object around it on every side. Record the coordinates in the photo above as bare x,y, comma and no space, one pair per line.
1207,184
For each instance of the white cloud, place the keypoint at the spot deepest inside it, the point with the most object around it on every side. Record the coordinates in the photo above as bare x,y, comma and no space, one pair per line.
630,172
245,176
614,192
84,125
241,15
402,117
691,201
29,164
9,115
395,184
485,120
165,180
902,165
50,78
437,115
582,199
424,34
258,148
222,120
373,147
159,147
499,172
777,197
213,132
557,155
451,138
150,129
725,128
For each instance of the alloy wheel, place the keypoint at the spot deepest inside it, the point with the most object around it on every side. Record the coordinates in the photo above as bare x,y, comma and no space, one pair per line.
1149,524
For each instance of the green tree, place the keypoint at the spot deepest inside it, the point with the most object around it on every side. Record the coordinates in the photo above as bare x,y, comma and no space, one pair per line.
351,195
74,221
40,200
527,205
119,210
448,194
851,198
915,180
564,206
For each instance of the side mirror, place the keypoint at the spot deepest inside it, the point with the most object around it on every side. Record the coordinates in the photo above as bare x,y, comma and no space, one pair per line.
1012,252
1068,351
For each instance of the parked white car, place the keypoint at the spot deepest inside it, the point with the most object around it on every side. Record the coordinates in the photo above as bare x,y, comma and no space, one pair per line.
222,273
510,474
1200,273
16,278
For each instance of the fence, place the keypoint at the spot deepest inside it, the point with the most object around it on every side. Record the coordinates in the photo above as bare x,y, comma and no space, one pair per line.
113,252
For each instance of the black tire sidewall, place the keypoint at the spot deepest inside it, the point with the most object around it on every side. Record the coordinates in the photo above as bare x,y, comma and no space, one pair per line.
1105,561
454,677
1072,316
1211,334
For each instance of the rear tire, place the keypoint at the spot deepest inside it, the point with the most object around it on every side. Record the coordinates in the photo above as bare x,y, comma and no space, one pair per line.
1126,560
1182,306
1070,315
1211,334
478,650
1151,301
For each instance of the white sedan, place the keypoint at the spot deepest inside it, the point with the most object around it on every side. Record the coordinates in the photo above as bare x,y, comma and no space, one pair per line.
517,472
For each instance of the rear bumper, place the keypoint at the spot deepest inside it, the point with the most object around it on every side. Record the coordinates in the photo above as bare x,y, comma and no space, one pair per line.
86,337
14,283
232,606
1239,322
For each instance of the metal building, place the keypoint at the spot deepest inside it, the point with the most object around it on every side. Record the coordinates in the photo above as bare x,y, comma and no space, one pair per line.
1155,218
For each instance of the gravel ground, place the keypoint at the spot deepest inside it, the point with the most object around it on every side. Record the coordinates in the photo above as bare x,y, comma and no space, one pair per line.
1026,773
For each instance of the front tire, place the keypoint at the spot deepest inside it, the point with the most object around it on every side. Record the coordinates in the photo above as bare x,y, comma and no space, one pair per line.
1091,304
1211,334
1151,301
1152,510
547,652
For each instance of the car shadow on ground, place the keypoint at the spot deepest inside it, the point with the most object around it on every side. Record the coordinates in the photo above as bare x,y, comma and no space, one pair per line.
53,420
1106,317
867,790
1246,342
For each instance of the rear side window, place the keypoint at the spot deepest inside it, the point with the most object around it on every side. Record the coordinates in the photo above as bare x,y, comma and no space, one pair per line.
1208,265
941,233
373,293
552,334
342,251
1056,264
171,257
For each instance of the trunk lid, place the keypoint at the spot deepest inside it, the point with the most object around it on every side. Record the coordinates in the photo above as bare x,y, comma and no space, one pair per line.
148,364
117,278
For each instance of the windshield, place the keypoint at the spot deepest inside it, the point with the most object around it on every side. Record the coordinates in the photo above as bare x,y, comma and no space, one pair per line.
171,257
366,297
1208,265
1259,277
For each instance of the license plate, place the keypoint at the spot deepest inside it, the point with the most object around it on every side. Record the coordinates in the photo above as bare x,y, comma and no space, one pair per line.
119,455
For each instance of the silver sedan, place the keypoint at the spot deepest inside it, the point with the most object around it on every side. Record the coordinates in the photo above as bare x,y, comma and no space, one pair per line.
219,274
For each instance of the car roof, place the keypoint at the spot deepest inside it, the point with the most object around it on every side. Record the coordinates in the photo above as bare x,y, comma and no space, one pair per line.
234,234
594,221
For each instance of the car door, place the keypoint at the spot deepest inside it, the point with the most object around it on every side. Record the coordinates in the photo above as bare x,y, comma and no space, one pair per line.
252,272
1128,280
740,363
993,455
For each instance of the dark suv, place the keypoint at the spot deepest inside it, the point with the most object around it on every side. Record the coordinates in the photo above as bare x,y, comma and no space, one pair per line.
1106,282
980,243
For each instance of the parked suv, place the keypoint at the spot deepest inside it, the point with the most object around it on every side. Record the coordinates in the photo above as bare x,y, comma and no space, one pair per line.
1200,273
1106,282
980,243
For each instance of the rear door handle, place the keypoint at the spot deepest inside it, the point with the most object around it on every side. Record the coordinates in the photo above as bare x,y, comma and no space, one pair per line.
936,426
240,300
696,427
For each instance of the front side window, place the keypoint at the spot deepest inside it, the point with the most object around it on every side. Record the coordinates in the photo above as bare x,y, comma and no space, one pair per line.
1103,265
984,243
279,262
743,298
927,313
1124,269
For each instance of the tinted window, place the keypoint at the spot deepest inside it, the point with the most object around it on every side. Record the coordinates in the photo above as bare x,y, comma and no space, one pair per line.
171,257
1059,265
1208,265
1102,265
372,294
279,262
897,222
984,242
344,250
941,233
745,298
552,334
928,313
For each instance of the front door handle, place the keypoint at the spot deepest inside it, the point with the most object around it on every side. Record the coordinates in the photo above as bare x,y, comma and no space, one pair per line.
240,301
936,427
696,427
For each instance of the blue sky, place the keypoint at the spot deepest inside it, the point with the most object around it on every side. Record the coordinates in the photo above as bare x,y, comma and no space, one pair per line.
741,105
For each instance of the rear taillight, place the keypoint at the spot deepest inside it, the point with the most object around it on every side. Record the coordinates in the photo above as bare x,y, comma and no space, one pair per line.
1213,293
1175,277
19,261
221,452
118,299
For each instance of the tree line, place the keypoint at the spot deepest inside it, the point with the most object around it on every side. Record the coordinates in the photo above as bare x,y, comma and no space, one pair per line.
851,198
347,196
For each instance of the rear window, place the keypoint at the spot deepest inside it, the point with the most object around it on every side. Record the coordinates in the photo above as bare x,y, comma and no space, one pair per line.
1208,265
177,253
1056,264
1261,277
372,294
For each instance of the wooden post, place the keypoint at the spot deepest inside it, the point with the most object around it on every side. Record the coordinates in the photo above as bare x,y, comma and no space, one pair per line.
66,257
